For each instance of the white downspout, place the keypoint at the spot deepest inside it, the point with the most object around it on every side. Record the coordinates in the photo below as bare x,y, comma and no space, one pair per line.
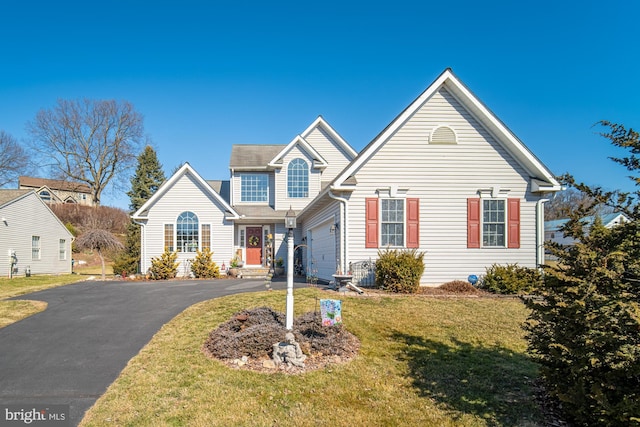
540,231
143,246
344,259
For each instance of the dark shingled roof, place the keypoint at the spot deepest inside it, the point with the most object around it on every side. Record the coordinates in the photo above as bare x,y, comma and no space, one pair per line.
253,156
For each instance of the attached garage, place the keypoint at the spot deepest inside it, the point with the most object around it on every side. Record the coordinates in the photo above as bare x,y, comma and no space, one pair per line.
322,255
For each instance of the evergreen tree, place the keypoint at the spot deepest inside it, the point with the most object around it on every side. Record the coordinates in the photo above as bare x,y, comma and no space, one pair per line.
584,327
146,181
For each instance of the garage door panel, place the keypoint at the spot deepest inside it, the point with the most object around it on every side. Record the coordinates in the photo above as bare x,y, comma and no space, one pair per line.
323,251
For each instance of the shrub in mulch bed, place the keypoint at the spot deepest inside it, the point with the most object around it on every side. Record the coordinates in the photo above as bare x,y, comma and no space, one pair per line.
253,332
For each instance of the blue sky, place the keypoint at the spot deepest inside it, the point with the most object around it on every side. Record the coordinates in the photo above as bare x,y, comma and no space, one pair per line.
209,74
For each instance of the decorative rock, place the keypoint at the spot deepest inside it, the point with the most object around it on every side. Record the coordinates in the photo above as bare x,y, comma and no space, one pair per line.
289,352
269,364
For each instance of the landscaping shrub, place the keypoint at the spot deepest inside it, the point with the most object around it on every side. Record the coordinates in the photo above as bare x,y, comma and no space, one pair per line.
203,267
253,332
510,279
165,267
458,287
399,271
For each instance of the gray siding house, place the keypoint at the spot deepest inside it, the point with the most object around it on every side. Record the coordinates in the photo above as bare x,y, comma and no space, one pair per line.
445,177
32,238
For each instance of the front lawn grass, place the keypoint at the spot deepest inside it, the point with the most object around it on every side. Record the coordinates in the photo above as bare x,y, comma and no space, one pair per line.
423,362
13,311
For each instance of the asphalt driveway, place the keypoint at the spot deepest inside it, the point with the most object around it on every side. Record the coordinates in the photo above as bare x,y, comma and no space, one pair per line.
71,352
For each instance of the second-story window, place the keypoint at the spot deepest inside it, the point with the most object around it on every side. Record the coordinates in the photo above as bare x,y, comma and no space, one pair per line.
254,187
298,179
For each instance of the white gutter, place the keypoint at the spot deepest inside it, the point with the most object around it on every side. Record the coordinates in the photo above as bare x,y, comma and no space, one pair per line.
344,260
540,231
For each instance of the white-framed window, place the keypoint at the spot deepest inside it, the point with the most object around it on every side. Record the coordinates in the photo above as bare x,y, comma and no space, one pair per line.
392,222
298,179
62,250
35,248
168,238
242,238
206,236
187,232
494,222
254,187
45,196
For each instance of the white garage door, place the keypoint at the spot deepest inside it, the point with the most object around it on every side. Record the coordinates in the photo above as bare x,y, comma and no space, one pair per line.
323,251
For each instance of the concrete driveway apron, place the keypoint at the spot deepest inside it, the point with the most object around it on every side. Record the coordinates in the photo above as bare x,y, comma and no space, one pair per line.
71,352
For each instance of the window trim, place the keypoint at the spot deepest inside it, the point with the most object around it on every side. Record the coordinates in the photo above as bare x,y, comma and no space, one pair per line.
402,222
411,222
181,244
484,223
246,175
298,176
36,248
62,250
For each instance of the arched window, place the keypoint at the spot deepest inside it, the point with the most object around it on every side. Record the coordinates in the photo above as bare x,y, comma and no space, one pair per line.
187,232
298,179
45,196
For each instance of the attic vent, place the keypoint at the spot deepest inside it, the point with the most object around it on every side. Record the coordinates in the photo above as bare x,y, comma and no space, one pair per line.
443,135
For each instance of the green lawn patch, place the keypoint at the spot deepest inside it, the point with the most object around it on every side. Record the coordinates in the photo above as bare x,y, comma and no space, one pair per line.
423,361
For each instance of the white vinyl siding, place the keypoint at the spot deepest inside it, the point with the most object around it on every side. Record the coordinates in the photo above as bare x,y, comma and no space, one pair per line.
28,216
443,176
187,194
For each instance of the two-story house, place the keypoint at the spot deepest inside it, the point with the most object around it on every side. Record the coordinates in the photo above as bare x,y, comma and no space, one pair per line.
242,218
446,177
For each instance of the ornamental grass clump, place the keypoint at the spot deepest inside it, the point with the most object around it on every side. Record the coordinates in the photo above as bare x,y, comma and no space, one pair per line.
399,271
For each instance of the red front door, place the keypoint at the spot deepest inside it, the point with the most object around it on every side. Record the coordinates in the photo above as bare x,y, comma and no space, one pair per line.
254,245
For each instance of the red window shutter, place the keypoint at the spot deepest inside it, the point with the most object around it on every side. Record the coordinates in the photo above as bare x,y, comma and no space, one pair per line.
413,223
473,223
513,226
371,223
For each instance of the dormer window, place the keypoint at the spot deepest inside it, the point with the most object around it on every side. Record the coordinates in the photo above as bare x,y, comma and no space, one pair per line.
298,179
45,196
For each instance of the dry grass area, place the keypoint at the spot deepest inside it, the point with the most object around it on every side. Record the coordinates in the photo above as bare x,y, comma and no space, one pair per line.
422,362
13,311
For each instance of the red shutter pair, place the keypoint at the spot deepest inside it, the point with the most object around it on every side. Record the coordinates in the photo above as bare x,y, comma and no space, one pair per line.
473,223
412,223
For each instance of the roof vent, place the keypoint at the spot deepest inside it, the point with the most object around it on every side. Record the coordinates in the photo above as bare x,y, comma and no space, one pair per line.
443,135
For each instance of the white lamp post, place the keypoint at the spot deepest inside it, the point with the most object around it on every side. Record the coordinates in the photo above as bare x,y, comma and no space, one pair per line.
290,223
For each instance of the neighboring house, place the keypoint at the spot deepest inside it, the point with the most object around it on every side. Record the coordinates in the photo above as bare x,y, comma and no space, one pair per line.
446,177
553,233
32,238
57,191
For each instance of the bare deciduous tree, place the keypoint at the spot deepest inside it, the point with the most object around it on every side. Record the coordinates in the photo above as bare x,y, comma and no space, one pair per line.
99,241
13,159
89,141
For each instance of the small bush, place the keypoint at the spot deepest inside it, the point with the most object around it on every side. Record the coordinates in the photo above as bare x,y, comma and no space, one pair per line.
203,267
399,271
510,279
165,267
458,287
253,332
